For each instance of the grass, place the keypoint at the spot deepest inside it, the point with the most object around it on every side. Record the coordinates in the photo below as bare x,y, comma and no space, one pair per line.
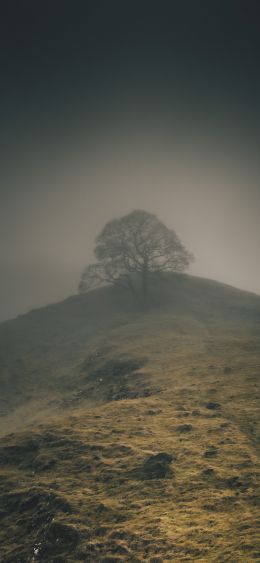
76,478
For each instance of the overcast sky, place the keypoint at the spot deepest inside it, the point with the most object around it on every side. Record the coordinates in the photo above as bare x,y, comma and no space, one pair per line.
105,111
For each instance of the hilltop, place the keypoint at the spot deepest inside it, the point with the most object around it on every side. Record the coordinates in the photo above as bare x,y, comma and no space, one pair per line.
41,351
134,433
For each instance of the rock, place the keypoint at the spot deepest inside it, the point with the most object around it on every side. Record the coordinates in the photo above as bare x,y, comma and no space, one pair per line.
211,452
157,466
101,531
209,472
227,369
164,457
101,508
212,406
236,483
183,428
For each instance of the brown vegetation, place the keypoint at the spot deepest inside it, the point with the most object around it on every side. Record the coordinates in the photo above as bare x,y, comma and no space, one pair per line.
167,475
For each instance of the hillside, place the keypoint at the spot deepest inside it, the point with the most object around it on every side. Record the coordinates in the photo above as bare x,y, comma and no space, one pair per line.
134,435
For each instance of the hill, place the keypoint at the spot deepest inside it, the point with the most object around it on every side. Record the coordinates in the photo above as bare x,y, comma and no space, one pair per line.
134,434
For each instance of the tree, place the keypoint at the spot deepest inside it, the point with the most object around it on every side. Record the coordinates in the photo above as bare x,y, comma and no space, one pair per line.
129,249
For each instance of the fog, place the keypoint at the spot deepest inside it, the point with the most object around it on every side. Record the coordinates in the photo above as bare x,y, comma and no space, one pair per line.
178,140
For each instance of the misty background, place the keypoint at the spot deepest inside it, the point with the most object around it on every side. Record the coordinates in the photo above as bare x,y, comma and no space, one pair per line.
106,109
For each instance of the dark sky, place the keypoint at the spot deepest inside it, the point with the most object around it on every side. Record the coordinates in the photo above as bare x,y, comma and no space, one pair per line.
107,107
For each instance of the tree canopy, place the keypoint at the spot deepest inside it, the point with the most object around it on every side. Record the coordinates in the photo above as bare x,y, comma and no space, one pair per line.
130,248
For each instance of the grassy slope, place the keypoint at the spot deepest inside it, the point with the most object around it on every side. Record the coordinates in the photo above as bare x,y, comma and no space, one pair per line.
76,486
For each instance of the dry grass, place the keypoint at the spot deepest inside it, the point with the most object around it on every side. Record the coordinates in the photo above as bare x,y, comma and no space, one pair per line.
75,488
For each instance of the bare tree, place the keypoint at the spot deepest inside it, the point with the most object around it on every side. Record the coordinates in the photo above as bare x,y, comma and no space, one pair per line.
129,249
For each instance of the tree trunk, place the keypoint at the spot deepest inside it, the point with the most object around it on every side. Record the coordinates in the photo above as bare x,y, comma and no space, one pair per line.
144,288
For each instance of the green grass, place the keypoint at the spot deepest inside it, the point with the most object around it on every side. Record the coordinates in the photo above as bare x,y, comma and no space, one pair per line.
180,379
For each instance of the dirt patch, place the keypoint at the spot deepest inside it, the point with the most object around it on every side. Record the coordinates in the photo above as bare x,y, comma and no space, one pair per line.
114,380
116,368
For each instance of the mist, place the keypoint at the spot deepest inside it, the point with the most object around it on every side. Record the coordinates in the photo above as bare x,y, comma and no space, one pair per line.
104,121
129,372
